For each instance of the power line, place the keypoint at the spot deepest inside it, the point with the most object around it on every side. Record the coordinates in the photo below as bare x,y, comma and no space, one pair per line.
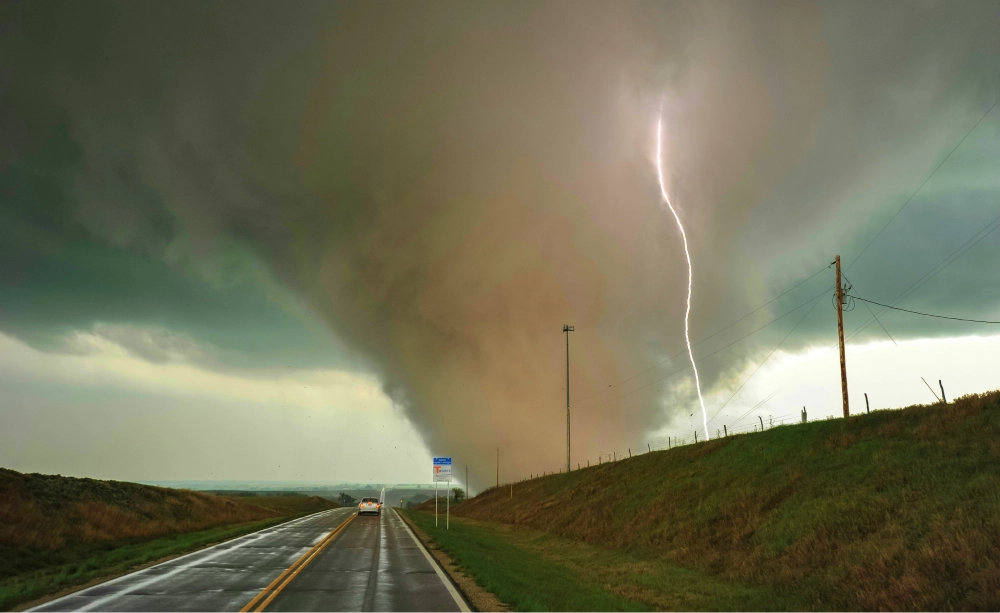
930,274
927,276
884,329
947,157
901,296
977,321
768,358
876,317
705,357
765,400
810,278
938,268
758,405
717,332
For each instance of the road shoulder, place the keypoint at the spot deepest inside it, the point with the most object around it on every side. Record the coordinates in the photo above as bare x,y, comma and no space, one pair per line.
477,598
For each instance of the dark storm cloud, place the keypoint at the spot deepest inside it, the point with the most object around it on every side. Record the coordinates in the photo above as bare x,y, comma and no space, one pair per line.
80,247
85,238
447,184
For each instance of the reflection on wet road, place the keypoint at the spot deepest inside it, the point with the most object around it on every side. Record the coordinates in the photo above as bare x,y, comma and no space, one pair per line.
373,564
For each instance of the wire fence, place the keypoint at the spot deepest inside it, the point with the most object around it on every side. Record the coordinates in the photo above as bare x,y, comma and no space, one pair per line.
762,424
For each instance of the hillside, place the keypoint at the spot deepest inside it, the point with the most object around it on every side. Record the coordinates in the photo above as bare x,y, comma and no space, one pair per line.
893,510
58,531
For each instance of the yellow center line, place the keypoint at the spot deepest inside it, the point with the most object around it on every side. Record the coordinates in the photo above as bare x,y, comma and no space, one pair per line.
294,569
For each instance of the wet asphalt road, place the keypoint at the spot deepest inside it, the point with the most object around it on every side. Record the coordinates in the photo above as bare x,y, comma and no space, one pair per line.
372,565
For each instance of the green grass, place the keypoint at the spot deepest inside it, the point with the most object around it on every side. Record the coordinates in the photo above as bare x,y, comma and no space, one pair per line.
534,571
887,511
54,570
519,577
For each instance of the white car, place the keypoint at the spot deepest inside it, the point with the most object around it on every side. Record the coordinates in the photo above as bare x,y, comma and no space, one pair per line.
370,506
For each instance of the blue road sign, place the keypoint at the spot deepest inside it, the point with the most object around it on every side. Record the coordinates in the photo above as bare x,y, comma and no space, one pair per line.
442,461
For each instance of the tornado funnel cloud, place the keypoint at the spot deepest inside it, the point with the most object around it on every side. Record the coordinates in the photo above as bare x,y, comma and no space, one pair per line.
687,255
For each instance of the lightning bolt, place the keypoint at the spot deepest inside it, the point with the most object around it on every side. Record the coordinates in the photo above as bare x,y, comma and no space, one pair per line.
687,254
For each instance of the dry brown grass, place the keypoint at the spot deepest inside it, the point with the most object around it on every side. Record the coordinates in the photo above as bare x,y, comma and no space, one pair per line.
57,532
48,512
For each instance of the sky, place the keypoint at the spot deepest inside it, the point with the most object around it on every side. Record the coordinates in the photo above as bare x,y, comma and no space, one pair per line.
323,241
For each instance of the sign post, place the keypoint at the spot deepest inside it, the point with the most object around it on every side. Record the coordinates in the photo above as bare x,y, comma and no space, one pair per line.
442,472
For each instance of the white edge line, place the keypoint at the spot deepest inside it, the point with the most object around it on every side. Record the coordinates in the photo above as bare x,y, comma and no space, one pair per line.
79,592
437,567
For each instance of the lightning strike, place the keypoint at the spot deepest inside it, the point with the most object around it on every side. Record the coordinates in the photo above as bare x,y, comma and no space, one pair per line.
687,254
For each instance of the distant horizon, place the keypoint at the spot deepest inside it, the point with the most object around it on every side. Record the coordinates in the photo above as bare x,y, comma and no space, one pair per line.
201,484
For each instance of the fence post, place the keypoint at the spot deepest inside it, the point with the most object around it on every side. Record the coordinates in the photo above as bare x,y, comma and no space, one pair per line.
868,409
761,423
696,436
630,452
724,431
804,415
649,448
943,398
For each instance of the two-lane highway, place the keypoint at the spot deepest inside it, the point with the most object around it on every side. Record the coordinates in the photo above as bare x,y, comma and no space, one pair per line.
372,563
374,566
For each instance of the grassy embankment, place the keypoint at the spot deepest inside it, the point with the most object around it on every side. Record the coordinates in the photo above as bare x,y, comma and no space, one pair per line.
531,570
57,532
892,510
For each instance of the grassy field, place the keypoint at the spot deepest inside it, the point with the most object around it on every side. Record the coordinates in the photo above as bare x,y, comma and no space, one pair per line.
57,532
286,505
530,570
892,510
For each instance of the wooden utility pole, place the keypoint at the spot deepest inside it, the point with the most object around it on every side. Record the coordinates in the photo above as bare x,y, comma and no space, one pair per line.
840,334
